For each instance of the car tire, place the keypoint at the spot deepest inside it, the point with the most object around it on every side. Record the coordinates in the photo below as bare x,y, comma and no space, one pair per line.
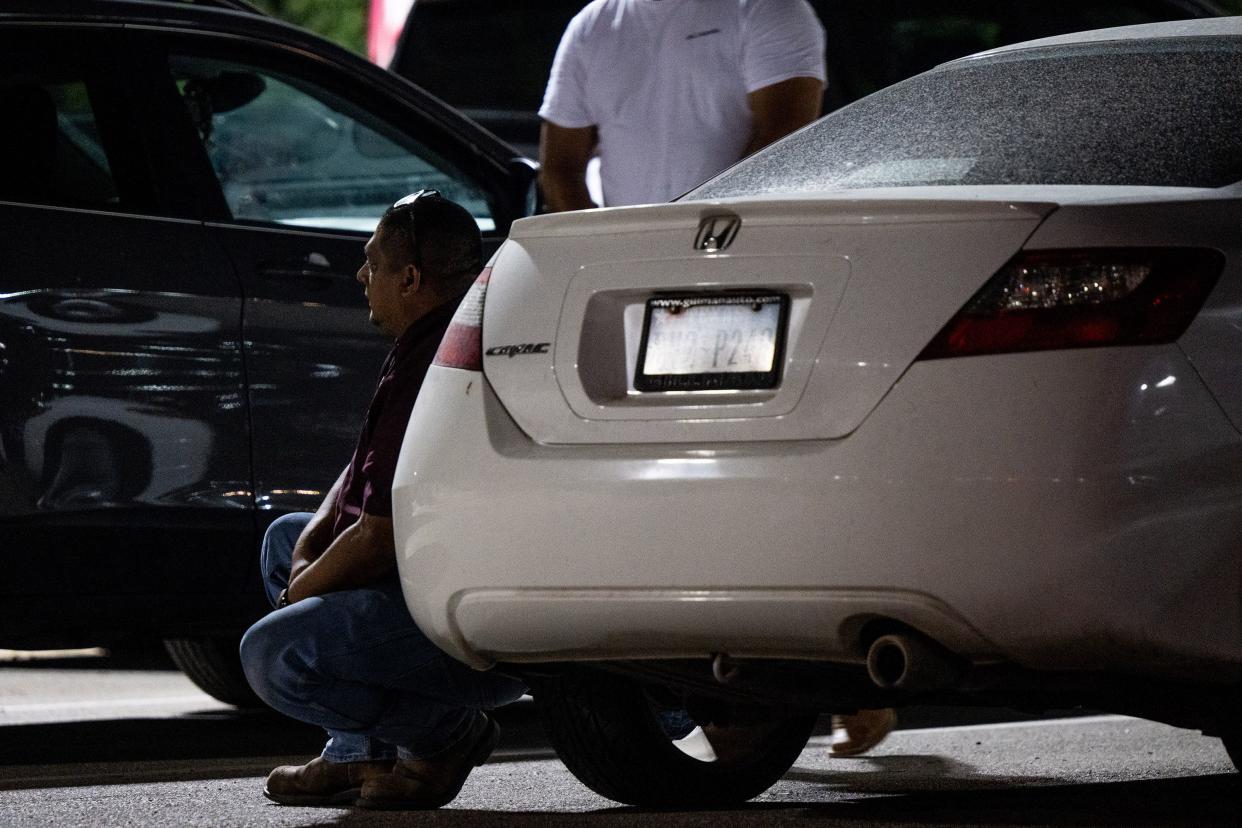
606,731
212,663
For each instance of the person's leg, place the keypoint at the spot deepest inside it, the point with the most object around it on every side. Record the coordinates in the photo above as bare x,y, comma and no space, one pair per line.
354,662
276,554
275,559
429,704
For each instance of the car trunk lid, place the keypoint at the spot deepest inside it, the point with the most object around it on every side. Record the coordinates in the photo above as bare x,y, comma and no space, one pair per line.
865,283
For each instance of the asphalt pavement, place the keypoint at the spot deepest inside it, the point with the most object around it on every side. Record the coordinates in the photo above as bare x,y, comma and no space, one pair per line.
81,745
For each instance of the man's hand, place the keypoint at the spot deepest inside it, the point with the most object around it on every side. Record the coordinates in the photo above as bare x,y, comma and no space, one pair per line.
563,157
783,107
361,555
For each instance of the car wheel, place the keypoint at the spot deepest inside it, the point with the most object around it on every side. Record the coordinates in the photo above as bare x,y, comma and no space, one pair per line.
608,732
213,664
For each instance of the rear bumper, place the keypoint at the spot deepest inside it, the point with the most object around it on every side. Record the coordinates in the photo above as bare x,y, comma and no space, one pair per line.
1073,510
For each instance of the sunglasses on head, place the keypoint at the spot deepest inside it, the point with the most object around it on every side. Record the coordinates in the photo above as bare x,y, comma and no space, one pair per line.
409,202
413,197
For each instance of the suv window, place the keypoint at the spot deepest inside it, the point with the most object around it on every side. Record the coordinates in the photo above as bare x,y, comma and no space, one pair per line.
50,148
1168,114
287,153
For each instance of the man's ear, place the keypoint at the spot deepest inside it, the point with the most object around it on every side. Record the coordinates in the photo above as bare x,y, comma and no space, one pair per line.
411,280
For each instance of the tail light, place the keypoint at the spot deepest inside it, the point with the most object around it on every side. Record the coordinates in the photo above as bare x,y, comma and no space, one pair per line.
1050,299
462,346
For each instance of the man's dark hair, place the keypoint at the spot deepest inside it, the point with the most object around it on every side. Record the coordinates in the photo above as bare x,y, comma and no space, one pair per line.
437,236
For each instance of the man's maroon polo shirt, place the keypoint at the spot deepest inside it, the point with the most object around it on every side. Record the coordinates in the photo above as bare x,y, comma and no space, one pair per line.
368,481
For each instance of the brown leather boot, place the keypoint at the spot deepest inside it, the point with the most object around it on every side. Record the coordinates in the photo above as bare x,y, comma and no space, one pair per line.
418,784
320,782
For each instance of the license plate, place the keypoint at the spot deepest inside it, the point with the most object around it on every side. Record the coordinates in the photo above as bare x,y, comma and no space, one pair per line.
716,342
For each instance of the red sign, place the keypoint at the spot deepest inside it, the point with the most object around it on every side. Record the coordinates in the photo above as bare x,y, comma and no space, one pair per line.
384,24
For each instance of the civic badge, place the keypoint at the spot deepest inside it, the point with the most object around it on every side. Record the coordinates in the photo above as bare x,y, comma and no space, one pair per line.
716,233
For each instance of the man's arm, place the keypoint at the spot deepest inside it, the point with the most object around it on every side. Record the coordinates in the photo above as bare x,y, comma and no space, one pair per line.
317,535
361,555
783,107
563,157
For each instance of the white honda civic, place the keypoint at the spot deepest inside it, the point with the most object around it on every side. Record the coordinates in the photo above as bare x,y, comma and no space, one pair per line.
936,400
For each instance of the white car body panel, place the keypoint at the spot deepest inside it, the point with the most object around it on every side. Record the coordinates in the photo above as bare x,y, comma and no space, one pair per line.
848,269
1064,500
1214,340
934,512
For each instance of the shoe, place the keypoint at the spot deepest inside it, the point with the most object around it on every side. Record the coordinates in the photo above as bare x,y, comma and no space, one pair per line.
858,733
320,782
419,784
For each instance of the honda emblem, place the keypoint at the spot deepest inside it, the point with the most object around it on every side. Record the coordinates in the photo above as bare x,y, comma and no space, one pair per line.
716,233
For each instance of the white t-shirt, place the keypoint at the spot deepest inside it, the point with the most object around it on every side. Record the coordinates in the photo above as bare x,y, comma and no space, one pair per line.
666,83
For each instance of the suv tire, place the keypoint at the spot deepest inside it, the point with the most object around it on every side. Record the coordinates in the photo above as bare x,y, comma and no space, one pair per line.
606,731
212,662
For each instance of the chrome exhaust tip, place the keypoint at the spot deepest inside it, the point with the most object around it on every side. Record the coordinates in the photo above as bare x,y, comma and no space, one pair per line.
900,661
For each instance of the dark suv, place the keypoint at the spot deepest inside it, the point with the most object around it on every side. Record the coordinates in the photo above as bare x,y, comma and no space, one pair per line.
184,350
490,58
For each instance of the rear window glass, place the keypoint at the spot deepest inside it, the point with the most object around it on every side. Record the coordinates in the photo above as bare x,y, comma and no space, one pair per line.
1111,114
50,147
286,152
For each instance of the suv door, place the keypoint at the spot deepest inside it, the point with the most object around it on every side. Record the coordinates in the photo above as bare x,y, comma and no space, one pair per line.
124,461
303,157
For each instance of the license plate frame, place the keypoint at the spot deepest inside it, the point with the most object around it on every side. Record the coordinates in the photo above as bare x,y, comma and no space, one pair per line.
690,370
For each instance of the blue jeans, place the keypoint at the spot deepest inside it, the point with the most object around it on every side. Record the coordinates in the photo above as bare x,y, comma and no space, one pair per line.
356,664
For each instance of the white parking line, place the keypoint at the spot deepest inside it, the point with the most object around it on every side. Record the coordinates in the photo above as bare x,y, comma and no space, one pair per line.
18,656
1071,720
45,707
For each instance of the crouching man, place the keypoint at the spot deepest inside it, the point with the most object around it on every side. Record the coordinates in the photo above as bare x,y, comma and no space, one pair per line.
405,722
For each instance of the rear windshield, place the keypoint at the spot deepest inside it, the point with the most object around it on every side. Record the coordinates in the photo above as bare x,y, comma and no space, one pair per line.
1111,114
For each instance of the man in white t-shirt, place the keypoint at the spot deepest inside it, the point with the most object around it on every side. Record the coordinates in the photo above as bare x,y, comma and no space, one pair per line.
670,92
